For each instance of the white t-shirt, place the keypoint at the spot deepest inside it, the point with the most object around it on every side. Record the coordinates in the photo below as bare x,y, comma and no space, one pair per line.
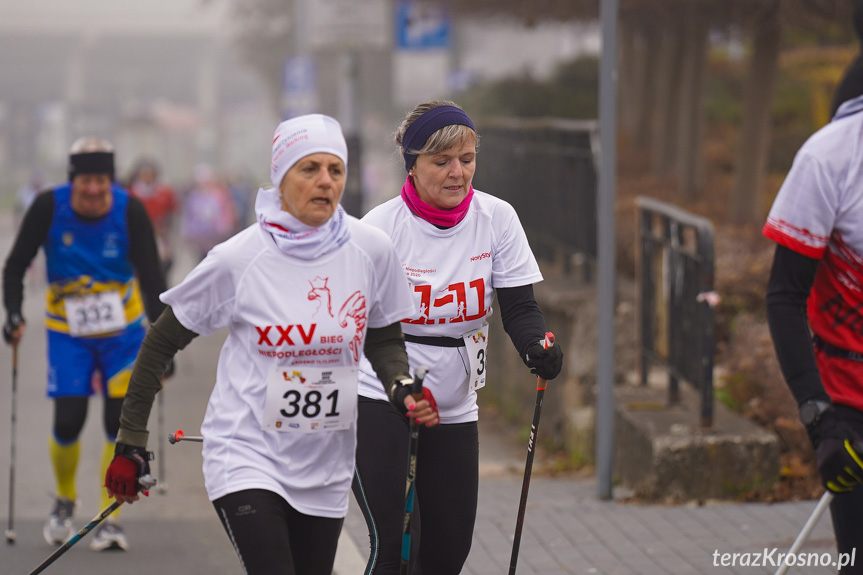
305,321
453,273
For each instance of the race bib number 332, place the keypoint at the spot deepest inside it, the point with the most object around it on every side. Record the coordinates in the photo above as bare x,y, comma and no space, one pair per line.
95,314
310,399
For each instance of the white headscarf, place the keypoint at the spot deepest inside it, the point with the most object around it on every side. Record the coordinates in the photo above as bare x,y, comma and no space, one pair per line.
294,140
304,135
293,236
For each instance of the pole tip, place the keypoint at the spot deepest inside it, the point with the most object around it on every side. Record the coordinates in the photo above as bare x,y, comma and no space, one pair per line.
175,437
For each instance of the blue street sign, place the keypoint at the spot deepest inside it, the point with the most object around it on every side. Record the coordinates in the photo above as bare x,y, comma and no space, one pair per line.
421,26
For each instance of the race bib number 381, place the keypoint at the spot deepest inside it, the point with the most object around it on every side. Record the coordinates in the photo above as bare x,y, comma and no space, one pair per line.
309,399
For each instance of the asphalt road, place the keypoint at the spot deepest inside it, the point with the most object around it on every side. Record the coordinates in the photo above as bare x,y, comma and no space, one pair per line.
174,531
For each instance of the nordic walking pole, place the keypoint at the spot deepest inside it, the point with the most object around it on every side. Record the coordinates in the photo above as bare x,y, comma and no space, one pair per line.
144,482
163,484
410,495
823,504
75,538
528,466
178,436
10,531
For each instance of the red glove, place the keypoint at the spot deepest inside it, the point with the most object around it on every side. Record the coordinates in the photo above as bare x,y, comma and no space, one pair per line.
122,476
427,395
129,472
403,386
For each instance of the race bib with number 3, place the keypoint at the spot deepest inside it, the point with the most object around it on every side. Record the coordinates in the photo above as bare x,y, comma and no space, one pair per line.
310,399
95,314
476,344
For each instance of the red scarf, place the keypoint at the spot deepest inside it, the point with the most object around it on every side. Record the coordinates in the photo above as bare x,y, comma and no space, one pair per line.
436,216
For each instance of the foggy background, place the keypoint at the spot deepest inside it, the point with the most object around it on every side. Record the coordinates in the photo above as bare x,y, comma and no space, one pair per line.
715,97
187,82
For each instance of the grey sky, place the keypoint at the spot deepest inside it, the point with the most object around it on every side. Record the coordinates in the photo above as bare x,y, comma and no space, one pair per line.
114,16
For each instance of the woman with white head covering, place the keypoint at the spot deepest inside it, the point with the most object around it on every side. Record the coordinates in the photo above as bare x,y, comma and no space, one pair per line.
305,291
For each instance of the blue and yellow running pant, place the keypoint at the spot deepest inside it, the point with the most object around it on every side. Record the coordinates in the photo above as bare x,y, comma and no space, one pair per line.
72,361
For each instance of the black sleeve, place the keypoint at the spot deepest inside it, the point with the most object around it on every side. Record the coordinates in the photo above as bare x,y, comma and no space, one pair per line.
31,234
791,279
522,319
145,257
385,350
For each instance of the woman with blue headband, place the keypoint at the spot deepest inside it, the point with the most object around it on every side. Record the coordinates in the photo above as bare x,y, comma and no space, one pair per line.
458,248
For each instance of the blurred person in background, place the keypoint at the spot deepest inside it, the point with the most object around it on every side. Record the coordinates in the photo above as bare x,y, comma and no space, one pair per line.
243,196
161,204
302,294
209,216
458,248
104,279
814,301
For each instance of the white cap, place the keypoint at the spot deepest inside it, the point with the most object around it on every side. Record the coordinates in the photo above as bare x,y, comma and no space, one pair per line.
299,137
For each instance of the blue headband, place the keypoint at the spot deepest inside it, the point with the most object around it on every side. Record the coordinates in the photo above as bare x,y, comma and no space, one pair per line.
423,127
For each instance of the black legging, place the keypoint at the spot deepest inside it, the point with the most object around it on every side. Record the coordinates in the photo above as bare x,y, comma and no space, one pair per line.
71,412
272,538
846,509
447,480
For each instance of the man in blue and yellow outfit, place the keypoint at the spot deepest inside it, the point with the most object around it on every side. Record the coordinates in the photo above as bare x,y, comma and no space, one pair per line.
104,278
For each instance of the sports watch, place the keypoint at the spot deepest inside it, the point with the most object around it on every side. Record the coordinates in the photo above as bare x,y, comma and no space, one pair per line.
811,411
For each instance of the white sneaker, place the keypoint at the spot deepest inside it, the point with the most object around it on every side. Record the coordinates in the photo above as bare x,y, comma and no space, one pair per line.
108,536
58,528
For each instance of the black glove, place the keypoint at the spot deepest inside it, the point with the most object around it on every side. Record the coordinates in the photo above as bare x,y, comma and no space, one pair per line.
400,388
546,363
839,464
12,323
404,385
129,471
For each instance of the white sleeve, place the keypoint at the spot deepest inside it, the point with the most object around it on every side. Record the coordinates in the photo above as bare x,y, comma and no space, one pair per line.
803,215
513,263
392,300
204,301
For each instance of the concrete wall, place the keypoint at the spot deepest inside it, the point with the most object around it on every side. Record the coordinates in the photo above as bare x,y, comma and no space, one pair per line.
661,453
568,409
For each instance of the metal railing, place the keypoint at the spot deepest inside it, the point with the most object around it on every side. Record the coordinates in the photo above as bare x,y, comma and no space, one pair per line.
546,169
675,278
